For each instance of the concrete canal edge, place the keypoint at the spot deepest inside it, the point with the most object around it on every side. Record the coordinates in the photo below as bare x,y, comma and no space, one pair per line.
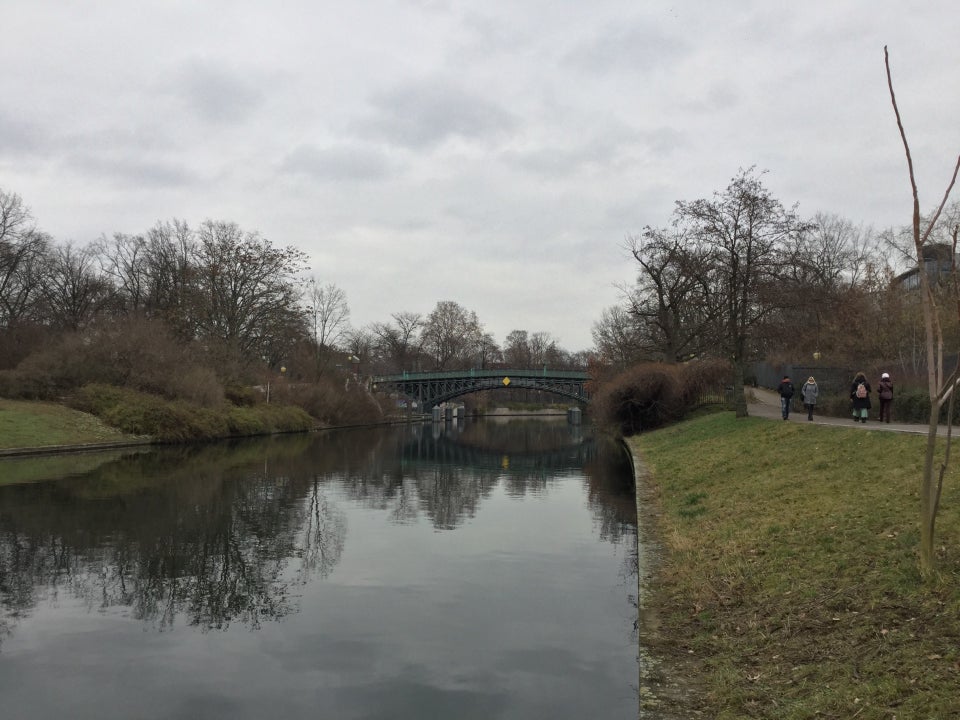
665,688
77,448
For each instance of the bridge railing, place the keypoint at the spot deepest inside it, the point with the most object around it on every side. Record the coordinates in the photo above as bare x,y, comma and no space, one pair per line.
475,373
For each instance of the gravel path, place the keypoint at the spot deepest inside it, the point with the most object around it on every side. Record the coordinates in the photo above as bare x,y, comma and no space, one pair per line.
766,403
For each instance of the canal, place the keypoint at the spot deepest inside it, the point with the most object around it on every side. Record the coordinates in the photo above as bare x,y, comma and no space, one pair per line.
482,569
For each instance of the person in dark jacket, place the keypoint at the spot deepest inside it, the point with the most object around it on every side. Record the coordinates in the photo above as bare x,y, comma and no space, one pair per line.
860,397
885,393
785,388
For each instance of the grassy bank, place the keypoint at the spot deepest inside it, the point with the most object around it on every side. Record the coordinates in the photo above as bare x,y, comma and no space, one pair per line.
789,582
102,414
41,424
180,421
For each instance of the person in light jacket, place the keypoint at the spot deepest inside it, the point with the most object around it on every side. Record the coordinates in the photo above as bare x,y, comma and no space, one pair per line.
808,394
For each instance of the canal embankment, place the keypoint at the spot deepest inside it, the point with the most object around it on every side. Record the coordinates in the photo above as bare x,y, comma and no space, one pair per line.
779,578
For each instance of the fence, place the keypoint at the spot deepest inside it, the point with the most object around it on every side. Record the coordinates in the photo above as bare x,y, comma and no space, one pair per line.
832,380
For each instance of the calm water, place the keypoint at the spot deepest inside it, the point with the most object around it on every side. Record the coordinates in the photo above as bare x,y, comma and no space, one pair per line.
479,571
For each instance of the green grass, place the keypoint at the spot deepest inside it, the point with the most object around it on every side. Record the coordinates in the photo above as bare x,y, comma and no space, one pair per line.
179,421
790,576
103,413
39,424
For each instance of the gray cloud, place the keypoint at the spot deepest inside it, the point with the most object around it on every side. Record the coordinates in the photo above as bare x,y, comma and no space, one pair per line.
638,47
216,93
618,148
425,114
18,137
128,170
337,163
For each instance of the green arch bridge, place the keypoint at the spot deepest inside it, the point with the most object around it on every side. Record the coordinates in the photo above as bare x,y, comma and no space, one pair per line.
433,388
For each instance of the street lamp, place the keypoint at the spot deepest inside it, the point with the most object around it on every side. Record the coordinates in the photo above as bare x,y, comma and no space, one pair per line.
283,369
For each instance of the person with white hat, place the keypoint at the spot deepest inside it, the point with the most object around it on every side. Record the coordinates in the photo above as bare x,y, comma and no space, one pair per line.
809,393
885,391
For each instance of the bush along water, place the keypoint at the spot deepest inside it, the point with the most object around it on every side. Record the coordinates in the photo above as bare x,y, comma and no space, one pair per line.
164,420
651,395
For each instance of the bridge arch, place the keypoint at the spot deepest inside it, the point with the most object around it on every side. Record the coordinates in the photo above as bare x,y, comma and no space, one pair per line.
434,388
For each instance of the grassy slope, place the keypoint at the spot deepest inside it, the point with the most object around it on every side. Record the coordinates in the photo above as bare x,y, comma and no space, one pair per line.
790,578
37,424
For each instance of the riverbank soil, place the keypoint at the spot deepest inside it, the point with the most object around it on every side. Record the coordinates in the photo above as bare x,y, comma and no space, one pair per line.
670,686
786,582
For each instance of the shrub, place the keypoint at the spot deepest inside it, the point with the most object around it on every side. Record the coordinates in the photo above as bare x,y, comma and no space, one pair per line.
18,386
331,402
241,395
655,394
132,352
245,421
197,385
271,418
55,369
179,421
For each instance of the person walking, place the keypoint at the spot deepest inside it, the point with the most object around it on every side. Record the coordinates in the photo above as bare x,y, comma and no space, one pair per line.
808,394
885,393
785,388
860,397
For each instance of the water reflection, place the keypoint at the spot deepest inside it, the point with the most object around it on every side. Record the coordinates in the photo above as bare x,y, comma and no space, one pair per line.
166,534
220,534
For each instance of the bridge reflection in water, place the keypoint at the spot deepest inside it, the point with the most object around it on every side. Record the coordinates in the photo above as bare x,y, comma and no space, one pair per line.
514,446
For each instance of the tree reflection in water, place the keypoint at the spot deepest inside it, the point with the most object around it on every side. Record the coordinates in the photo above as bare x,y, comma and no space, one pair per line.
225,533
204,533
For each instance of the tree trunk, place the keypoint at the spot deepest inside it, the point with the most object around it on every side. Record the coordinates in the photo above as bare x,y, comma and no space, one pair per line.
739,394
928,500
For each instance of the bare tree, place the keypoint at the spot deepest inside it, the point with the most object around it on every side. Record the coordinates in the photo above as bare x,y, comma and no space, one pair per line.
172,293
124,260
451,334
329,316
543,350
22,249
940,386
516,349
673,299
74,292
747,228
246,289
361,346
616,336
833,252
488,351
832,274
397,342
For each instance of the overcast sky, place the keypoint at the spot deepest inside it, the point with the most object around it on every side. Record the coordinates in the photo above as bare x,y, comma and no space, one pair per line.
492,153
